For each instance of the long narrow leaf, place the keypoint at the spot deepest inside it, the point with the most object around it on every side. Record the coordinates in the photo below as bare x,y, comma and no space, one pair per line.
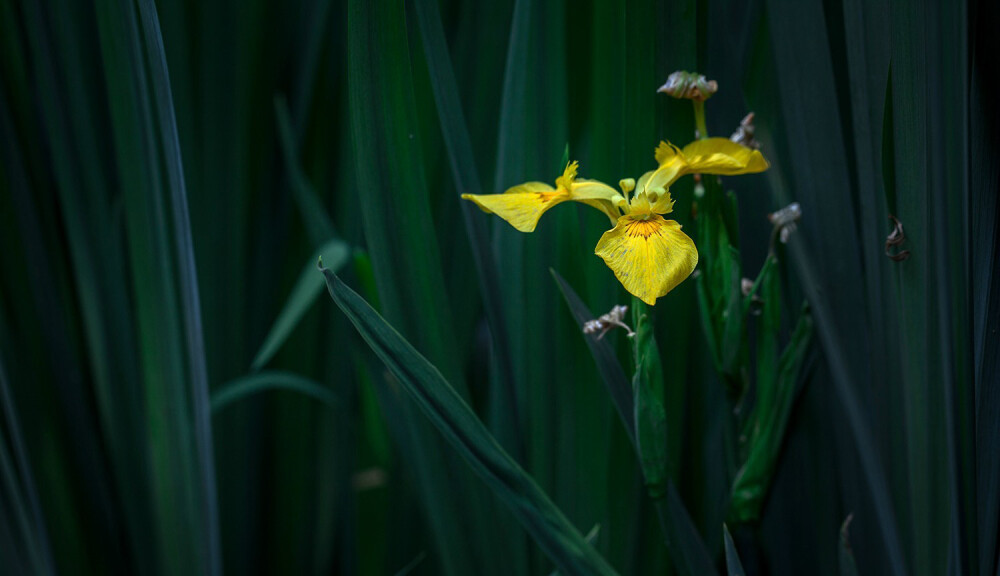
469,437
240,388
306,289
687,549
733,564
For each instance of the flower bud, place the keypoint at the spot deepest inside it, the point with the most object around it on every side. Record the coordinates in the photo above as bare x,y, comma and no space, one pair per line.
689,85
627,184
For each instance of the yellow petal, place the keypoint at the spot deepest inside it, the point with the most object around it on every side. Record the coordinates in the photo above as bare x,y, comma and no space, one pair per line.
596,194
569,175
649,257
673,165
722,156
521,206
592,190
710,156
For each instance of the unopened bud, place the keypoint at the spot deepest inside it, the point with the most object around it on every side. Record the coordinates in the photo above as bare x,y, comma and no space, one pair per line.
689,85
627,184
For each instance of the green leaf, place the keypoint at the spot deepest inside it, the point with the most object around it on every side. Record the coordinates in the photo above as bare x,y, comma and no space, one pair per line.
847,565
251,384
400,235
182,466
409,568
813,171
647,391
467,181
17,485
403,246
768,423
306,289
733,565
687,549
449,413
604,356
314,214
985,256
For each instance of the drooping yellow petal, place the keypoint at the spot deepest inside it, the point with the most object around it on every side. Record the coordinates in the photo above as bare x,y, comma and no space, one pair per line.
650,257
723,156
521,206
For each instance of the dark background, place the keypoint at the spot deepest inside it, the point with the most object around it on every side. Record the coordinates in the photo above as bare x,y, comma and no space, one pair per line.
170,171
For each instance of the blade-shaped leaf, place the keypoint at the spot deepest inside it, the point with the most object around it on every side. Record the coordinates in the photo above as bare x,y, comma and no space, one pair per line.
604,356
469,437
847,565
687,549
240,388
769,422
306,289
733,564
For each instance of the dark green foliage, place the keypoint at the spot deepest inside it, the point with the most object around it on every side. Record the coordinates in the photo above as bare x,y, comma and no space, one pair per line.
179,397
443,406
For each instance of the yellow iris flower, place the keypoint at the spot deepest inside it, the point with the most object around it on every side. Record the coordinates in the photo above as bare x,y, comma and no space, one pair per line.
649,254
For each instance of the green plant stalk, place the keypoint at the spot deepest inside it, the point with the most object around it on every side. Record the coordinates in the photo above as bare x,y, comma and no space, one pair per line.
647,390
720,265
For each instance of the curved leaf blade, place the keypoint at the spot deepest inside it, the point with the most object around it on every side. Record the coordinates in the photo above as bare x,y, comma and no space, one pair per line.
443,406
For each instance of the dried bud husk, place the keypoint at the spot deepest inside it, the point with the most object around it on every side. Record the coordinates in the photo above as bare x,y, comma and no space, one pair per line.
744,134
690,86
785,220
606,322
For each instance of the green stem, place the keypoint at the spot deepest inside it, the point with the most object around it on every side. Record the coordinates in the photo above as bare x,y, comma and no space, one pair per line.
699,120
647,389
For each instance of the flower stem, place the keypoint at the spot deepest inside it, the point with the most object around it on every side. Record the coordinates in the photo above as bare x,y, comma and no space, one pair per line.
701,129
647,390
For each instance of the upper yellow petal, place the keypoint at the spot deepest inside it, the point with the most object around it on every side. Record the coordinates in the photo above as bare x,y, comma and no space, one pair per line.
672,165
722,156
568,176
650,257
709,156
521,206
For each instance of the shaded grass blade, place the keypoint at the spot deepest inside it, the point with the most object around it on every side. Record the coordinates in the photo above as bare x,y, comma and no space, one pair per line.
466,433
403,245
18,487
303,295
604,357
170,331
466,177
188,281
319,227
686,547
733,565
847,565
770,421
246,386
985,279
